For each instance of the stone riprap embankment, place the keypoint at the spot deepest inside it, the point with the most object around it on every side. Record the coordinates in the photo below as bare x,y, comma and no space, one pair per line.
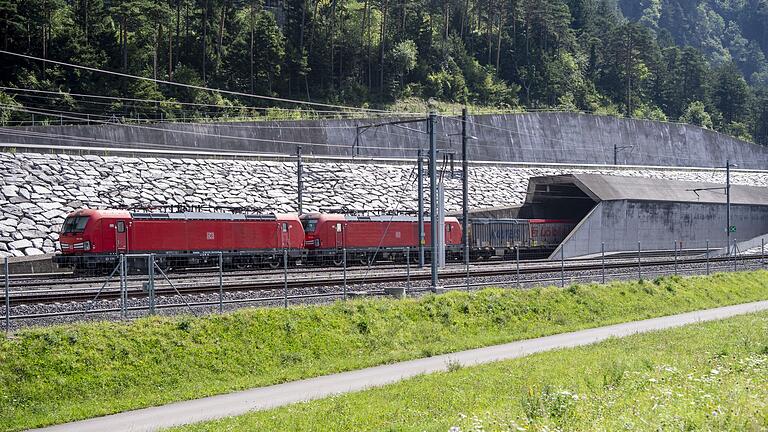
38,190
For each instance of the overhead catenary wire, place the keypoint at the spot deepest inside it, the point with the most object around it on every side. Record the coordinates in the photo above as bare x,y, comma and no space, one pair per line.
63,137
166,104
164,130
196,87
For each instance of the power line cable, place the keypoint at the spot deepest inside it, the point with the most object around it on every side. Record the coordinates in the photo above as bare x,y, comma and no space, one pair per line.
173,102
196,87
267,140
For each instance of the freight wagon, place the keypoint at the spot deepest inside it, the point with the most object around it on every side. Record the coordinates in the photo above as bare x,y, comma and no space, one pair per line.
499,237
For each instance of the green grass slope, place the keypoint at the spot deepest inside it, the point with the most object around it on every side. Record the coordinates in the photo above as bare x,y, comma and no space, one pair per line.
63,373
711,376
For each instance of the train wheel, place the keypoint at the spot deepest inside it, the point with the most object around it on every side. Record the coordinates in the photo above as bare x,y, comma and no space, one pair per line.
338,260
274,263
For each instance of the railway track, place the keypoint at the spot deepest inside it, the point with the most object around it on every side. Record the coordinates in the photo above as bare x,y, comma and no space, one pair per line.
40,280
192,287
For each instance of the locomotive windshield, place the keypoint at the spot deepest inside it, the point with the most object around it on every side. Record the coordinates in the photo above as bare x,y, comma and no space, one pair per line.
74,225
309,225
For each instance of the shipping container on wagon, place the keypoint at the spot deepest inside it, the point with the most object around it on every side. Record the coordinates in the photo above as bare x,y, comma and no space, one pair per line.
549,232
498,235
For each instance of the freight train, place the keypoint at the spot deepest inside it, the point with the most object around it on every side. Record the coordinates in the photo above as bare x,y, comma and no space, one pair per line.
92,240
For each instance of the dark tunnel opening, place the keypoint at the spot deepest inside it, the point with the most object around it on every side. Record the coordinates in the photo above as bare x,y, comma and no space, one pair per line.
557,201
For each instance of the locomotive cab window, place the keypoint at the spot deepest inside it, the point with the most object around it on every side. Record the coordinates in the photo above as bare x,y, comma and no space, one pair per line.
74,225
309,224
121,226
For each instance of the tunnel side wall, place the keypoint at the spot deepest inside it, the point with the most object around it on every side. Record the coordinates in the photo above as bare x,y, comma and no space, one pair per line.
657,225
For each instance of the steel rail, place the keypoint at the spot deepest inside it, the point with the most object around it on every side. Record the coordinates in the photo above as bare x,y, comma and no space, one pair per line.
75,295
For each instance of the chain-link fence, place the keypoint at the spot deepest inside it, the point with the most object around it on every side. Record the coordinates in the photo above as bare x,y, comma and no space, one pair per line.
134,285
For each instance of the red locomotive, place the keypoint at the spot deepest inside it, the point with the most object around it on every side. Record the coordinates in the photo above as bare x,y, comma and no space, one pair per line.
92,239
371,238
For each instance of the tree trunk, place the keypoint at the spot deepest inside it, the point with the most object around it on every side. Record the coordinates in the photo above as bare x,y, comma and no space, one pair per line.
363,41
628,67
251,48
403,15
205,34
312,28
498,39
124,43
381,44
303,23
464,18
446,14
85,20
365,34
158,36
489,30
170,53
186,31
221,32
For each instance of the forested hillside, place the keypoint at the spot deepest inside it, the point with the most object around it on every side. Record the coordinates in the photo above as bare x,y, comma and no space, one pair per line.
662,59
725,30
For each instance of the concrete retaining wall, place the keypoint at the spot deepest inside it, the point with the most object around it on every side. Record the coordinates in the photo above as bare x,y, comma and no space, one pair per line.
528,137
38,190
657,225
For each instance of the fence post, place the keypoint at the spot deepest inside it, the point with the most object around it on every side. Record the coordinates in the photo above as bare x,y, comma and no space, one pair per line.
123,289
562,268
7,297
151,287
734,255
639,265
344,269
517,264
285,278
221,282
762,252
602,256
707,257
675,257
466,269
407,270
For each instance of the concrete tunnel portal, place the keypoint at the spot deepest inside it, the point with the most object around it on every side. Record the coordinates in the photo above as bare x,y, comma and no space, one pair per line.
620,212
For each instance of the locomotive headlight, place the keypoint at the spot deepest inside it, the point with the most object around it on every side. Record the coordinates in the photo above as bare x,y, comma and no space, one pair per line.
86,245
317,242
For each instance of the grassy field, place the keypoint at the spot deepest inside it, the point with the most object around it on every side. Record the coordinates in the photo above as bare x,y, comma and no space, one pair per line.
57,374
710,376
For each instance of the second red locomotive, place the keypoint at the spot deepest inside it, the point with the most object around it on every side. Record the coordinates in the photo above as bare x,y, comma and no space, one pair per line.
372,238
